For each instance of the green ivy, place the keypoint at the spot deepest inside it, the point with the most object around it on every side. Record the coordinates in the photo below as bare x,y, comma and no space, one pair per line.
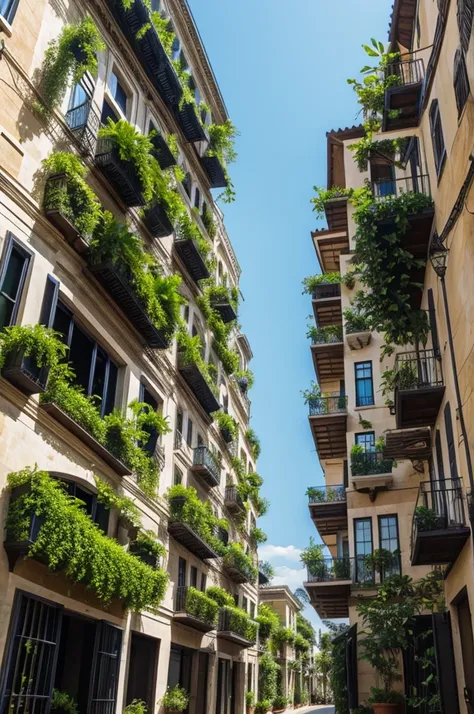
220,596
324,195
209,222
312,281
220,330
227,424
235,557
108,497
196,514
44,346
257,536
268,621
202,606
254,442
69,541
190,350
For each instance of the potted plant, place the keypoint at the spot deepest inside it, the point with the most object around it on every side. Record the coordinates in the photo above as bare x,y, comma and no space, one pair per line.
263,706
147,548
175,700
63,703
280,703
27,353
250,702
136,706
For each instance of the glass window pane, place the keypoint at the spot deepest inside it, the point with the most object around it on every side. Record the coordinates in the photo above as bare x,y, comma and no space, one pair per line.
78,96
11,281
109,401
108,112
62,322
80,355
6,309
98,382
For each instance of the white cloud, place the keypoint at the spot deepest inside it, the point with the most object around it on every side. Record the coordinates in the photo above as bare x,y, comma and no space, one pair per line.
288,552
292,577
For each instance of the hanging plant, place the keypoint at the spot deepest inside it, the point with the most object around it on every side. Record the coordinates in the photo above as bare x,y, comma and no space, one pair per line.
67,60
324,195
254,442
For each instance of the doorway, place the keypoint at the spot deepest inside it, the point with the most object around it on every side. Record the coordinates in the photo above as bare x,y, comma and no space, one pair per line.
180,668
142,669
223,686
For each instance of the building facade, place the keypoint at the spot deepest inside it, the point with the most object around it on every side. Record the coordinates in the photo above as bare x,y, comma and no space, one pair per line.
56,632
394,431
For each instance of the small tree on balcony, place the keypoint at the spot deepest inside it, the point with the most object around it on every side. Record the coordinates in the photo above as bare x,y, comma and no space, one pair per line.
312,556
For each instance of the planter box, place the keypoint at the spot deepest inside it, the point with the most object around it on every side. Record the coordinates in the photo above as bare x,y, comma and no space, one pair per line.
192,258
121,174
19,549
235,574
162,152
358,340
190,125
197,383
184,617
185,535
225,310
215,172
65,420
24,373
157,221
125,297
58,219
227,436
147,558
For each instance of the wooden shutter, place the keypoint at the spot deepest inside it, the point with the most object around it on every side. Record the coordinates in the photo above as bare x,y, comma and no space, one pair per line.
445,665
351,668
433,325
448,423
461,81
105,669
201,696
30,655
50,301
465,15
439,456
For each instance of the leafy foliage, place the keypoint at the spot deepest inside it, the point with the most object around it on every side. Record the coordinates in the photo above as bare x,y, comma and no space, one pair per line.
67,60
136,706
175,699
266,569
227,424
190,349
254,442
268,671
220,596
305,628
209,222
312,556
147,543
108,497
220,330
235,557
268,621
354,321
44,346
64,702
69,541
74,198
222,139
202,606
187,507
323,196
312,281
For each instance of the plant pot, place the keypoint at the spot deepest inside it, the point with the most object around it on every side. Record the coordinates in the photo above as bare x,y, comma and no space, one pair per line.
243,383
226,435
79,53
24,373
385,708
147,558
250,710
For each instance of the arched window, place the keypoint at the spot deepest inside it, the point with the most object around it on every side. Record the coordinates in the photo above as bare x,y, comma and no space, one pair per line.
465,15
461,81
8,9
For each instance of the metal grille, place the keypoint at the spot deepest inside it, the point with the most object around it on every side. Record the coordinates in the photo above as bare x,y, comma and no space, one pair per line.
31,667
336,404
407,71
415,370
84,122
444,501
105,670
326,337
203,457
231,494
359,570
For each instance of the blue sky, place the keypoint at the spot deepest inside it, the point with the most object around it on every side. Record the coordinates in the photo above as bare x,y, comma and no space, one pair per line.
282,69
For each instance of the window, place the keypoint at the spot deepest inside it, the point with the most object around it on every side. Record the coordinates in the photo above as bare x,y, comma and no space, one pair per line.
236,599
252,610
200,440
107,112
155,5
78,111
389,540
465,14
197,198
439,456
250,677
8,9
12,280
187,184
189,433
245,603
94,370
203,582
461,81
364,384
147,398
193,576
437,137
97,511
366,439
363,547
181,572
175,49
448,424
118,92
177,477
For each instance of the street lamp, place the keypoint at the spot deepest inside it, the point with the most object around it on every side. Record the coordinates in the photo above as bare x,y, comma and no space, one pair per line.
439,258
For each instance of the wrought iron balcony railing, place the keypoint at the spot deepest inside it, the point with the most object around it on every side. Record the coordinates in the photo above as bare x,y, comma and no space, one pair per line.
204,458
326,494
411,71
389,188
327,290
324,336
370,463
439,506
84,122
334,404
415,370
359,570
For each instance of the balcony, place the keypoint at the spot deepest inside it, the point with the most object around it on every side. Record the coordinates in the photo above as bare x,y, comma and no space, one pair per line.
336,214
184,534
235,629
329,245
328,422
121,174
148,49
327,350
328,508
183,614
223,305
233,500
198,384
156,220
439,529
413,444
327,304
190,123
357,340
419,388
206,466
405,94
115,282
370,471
215,171
84,122
189,254
162,152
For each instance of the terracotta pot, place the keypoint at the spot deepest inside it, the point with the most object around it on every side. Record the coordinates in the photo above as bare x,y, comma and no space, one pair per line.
385,708
250,710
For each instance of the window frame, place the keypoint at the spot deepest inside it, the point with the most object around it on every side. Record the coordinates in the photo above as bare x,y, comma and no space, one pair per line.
436,125
380,518
356,555
465,16
461,85
11,244
358,380
364,434
9,14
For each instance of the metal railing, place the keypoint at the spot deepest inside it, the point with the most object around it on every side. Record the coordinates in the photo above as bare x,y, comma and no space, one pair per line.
323,336
229,624
370,463
439,506
232,495
407,72
181,602
203,457
334,404
360,570
390,187
84,122
326,494
414,370
327,290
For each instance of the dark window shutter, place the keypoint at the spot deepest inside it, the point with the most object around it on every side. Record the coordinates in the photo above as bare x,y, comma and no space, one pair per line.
461,81
351,668
465,15
448,423
50,300
445,666
346,473
439,456
433,325
105,669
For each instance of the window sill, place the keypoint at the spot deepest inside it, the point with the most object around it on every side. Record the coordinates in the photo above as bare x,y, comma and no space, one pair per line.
5,27
368,406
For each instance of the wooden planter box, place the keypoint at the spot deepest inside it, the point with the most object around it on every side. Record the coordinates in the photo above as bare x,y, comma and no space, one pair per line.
121,174
192,258
157,221
24,373
215,171
125,297
90,441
